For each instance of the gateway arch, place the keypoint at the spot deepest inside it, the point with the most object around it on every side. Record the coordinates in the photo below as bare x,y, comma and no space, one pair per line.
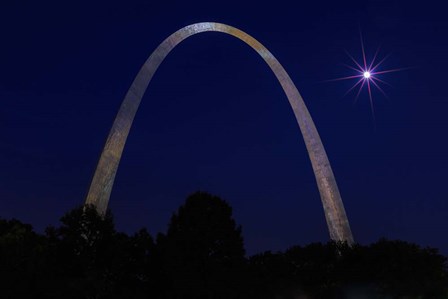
103,179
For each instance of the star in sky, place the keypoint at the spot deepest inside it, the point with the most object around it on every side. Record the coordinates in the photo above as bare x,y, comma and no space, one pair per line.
367,74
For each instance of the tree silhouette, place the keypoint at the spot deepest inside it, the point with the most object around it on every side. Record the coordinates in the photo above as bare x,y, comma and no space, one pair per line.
89,259
271,275
203,252
202,256
404,269
22,261
385,269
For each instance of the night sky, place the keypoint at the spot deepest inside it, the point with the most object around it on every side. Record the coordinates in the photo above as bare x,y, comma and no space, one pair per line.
215,119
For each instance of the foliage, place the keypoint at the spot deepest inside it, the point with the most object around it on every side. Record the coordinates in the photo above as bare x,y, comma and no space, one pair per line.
202,256
21,259
203,252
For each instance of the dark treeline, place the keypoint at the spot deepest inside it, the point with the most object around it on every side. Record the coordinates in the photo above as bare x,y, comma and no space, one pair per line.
202,256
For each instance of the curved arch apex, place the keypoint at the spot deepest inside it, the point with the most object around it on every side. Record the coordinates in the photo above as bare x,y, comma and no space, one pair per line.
103,179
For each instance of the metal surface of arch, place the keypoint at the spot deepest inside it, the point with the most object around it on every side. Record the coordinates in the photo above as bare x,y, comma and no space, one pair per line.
102,182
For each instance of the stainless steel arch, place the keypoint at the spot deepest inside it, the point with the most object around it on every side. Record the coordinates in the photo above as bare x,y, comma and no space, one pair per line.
104,176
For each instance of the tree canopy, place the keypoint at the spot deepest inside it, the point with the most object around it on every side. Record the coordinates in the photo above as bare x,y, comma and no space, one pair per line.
202,255
202,251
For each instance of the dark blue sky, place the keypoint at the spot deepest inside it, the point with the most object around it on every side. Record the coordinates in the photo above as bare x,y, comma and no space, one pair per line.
215,118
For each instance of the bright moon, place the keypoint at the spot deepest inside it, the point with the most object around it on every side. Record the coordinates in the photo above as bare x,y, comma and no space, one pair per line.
367,75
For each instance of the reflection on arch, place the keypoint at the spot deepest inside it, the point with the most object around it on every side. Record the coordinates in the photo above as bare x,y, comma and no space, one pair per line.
106,170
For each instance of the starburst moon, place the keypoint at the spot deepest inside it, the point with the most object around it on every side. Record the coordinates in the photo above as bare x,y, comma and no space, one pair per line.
367,74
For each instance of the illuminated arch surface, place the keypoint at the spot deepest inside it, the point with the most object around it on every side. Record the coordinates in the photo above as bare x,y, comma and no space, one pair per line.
106,170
